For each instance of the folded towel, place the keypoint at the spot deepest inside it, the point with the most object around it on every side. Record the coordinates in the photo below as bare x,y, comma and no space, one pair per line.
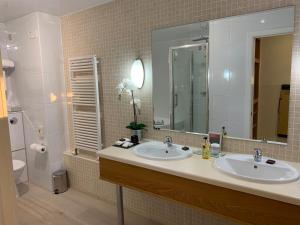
119,143
127,144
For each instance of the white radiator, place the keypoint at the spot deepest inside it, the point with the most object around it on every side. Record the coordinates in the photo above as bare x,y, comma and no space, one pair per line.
85,101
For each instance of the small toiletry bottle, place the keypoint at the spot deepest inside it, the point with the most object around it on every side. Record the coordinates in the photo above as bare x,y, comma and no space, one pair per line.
205,149
215,150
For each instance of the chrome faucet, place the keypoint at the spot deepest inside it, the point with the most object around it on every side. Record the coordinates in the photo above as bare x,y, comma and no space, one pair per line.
168,140
257,155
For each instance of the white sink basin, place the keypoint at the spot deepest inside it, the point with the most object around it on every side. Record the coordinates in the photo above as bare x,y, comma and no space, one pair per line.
158,151
243,166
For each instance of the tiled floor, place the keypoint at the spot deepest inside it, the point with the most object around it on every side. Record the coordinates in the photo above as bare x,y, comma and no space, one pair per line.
40,207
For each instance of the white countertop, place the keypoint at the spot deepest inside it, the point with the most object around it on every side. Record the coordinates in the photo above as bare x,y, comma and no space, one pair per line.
198,169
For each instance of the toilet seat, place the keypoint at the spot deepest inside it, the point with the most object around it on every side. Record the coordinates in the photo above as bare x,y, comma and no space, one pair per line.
18,165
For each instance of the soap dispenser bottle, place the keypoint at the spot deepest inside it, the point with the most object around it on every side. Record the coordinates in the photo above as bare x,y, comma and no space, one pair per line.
206,149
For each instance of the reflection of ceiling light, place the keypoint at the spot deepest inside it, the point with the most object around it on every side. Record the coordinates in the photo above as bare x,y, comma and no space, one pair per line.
262,21
187,46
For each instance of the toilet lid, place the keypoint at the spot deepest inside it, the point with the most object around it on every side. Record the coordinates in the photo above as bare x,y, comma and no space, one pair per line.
18,164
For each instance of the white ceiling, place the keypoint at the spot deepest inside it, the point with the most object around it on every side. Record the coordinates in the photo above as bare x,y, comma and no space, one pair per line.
11,9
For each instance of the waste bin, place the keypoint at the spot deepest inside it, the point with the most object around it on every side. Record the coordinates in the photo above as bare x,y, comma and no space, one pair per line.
59,181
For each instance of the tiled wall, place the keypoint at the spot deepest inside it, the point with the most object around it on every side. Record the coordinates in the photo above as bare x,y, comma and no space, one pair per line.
28,88
120,31
54,89
3,40
39,87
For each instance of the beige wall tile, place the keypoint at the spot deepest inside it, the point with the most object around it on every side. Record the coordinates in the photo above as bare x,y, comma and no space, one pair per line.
120,31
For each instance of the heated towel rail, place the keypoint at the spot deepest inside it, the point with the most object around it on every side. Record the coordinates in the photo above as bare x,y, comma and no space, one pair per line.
85,103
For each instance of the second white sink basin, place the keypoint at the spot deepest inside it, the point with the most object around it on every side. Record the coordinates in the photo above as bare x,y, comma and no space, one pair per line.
244,166
159,151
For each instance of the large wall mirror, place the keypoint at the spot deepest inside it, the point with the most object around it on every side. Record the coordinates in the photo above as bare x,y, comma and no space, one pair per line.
233,72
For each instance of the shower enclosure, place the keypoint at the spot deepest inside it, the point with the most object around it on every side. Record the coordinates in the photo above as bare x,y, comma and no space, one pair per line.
189,92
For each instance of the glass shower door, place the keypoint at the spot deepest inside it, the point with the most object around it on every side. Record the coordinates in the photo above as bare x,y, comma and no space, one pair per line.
189,72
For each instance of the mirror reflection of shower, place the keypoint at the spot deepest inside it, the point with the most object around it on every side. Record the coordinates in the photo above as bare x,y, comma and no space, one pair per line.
189,72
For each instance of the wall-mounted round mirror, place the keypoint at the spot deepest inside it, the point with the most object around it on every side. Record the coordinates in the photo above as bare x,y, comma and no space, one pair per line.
137,73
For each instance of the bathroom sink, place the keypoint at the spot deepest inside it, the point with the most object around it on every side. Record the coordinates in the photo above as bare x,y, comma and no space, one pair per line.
159,151
244,167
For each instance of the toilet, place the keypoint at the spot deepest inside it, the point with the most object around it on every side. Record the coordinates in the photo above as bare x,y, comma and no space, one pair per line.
18,169
18,148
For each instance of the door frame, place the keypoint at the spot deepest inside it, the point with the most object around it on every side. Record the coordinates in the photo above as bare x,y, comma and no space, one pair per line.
7,186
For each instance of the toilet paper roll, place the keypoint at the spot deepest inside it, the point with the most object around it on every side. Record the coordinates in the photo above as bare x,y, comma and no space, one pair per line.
38,148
